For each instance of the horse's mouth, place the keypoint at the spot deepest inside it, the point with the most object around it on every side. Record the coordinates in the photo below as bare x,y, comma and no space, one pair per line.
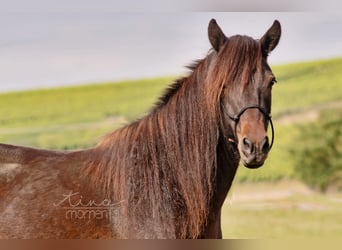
252,164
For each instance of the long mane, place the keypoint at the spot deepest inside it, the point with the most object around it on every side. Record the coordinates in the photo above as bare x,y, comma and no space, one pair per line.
162,168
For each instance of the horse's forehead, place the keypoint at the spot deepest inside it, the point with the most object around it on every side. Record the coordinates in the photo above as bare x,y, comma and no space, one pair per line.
242,41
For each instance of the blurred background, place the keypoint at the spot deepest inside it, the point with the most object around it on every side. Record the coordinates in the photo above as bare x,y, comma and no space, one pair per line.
68,78
45,49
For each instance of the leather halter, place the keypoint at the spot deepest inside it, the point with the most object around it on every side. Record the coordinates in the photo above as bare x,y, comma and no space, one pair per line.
236,119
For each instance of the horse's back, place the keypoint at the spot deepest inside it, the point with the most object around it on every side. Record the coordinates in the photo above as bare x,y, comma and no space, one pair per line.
21,167
33,185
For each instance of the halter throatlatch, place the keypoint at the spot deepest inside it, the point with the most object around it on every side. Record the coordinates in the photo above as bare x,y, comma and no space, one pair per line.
236,120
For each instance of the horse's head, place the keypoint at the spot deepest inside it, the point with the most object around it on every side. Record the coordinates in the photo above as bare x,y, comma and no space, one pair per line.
240,65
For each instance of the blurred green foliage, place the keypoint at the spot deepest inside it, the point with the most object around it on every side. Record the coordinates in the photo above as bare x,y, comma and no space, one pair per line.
318,152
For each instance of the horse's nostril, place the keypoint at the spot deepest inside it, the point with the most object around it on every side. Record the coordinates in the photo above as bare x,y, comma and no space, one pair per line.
248,145
265,144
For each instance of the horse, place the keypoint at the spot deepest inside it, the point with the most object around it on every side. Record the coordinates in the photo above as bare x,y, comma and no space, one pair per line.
163,176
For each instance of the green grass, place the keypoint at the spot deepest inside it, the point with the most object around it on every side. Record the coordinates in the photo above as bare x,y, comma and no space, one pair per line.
295,215
79,104
305,85
62,136
51,118
281,223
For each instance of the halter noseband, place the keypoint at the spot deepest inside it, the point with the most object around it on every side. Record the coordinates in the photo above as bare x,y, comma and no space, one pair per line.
236,119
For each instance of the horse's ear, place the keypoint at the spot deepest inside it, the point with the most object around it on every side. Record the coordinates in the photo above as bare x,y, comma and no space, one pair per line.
215,34
271,38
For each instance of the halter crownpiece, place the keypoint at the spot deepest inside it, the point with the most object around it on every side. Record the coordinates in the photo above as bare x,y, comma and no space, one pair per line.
236,119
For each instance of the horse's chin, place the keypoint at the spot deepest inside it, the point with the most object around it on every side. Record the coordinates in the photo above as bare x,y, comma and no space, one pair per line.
253,165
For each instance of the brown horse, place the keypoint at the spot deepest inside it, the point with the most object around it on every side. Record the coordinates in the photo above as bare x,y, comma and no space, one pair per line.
163,176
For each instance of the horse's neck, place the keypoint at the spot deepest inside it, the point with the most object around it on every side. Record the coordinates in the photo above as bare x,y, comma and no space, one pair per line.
227,164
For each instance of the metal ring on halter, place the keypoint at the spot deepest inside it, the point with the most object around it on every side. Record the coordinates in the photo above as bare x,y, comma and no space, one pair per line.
236,119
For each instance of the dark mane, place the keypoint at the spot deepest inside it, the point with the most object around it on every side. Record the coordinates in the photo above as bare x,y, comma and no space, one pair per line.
162,167
173,88
169,92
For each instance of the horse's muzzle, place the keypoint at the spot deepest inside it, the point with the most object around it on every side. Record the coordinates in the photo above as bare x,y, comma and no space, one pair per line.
253,155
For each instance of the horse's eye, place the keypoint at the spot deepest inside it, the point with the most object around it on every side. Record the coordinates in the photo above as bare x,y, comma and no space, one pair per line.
273,81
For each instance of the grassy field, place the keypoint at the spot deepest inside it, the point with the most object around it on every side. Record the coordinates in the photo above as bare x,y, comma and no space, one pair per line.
77,117
282,210
74,117
306,85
